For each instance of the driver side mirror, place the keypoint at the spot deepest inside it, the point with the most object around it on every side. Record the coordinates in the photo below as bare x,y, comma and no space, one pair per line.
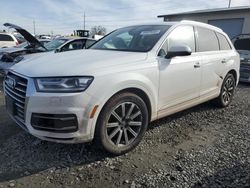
180,50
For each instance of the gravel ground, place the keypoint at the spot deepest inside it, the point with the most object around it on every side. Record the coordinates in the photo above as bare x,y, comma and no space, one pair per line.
200,147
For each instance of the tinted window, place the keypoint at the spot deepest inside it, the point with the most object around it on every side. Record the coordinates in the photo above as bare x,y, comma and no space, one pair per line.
5,38
224,44
135,38
44,42
75,45
182,35
89,43
242,44
54,44
207,40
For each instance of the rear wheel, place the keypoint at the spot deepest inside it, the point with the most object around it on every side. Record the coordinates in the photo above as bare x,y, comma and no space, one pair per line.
227,91
122,123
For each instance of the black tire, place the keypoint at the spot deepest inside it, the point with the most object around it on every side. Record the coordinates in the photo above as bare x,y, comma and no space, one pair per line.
104,133
227,91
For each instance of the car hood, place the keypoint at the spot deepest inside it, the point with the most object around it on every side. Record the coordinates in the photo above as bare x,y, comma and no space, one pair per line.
75,63
10,50
34,56
29,37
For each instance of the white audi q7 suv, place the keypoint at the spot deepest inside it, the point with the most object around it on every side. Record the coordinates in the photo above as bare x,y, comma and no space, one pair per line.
111,92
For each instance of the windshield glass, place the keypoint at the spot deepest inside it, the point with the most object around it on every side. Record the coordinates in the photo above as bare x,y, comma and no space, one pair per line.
134,38
242,44
54,44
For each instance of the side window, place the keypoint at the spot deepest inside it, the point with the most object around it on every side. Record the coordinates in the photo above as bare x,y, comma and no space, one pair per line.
224,44
5,38
207,40
89,43
75,45
182,35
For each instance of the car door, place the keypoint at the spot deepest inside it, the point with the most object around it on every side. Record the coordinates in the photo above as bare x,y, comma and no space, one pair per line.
212,61
180,77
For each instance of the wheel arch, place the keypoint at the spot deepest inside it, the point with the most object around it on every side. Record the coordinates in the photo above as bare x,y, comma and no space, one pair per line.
234,73
141,92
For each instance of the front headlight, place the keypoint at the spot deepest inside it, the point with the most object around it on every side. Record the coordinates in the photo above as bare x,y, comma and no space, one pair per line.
63,84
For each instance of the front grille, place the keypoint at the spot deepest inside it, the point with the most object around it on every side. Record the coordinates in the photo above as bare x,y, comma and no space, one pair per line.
15,89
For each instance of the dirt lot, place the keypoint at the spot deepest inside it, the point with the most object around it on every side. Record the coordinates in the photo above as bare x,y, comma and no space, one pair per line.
201,147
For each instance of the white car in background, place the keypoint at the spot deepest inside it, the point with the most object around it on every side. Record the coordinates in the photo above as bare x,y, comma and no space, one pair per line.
8,40
112,91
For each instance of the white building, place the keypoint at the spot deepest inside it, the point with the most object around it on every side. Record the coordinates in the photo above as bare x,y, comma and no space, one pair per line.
233,21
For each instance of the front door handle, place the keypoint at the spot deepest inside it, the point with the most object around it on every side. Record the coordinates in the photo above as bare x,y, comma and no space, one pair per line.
197,65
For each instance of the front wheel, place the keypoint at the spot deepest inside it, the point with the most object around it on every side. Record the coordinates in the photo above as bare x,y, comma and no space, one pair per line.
227,91
122,123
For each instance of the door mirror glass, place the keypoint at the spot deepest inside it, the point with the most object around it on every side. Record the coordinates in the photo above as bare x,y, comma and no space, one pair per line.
180,50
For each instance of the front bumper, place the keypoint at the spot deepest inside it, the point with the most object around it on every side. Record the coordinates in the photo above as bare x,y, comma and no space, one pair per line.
57,106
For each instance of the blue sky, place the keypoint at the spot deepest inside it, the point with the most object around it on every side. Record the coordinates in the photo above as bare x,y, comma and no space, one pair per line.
64,16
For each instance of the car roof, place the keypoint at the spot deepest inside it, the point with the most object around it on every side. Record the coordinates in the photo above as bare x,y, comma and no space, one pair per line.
241,36
3,33
182,22
44,39
75,38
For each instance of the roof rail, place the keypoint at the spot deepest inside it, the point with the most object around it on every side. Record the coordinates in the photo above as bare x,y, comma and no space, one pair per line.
201,24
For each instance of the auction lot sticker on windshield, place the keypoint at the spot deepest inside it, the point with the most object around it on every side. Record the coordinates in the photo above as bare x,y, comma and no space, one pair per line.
153,32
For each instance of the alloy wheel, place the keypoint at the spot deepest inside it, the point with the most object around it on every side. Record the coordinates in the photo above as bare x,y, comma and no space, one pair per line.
228,90
124,124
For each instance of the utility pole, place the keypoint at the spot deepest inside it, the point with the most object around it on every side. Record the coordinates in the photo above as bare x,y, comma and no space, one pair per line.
84,21
229,4
34,27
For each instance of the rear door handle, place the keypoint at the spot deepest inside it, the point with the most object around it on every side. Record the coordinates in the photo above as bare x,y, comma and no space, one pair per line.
224,61
197,65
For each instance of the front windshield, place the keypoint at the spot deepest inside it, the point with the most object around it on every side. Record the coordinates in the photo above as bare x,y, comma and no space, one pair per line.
242,44
134,38
54,44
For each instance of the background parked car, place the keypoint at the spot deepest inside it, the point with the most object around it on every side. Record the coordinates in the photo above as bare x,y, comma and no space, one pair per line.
242,44
9,40
15,55
23,46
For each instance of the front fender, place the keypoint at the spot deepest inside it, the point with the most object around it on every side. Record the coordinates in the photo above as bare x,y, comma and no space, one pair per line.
107,86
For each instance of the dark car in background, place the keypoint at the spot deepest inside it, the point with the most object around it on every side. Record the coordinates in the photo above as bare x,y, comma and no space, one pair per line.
242,45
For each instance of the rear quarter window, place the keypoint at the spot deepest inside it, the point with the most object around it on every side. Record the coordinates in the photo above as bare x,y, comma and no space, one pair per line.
4,37
224,44
207,40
